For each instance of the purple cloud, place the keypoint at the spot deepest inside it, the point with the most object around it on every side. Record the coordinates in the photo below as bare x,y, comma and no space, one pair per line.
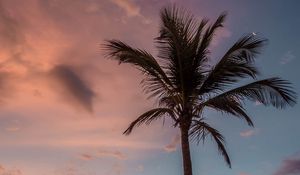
289,166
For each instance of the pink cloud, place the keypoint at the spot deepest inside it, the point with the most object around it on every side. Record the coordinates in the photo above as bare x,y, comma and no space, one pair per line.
51,114
243,173
171,147
12,129
103,154
86,157
248,133
128,6
115,154
131,9
9,171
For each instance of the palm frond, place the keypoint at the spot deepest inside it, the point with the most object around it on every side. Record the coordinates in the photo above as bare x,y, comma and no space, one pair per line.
209,33
149,117
171,101
272,91
227,104
238,62
200,130
176,32
156,83
180,42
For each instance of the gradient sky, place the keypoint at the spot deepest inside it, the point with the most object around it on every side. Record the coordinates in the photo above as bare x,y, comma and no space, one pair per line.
64,106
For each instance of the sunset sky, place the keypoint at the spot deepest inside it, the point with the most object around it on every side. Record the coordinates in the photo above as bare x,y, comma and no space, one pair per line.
63,106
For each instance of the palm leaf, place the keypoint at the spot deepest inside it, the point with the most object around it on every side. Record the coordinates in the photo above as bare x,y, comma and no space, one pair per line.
181,46
149,117
228,105
209,33
200,130
272,91
176,31
156,83
238,62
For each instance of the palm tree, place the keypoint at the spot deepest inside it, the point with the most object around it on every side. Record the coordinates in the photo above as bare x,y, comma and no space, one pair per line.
185,82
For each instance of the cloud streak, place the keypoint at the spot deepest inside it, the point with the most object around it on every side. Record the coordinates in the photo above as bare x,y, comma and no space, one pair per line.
104,155
131,9
115,154
248,133
289,166
86,157
128,6
244,173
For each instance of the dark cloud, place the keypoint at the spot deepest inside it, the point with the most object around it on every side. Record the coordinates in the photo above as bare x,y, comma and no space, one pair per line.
290,166
74,89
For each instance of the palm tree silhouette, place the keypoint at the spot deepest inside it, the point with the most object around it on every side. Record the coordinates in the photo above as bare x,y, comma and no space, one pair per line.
185,82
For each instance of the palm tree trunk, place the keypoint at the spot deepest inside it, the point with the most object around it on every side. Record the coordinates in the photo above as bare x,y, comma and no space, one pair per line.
185,148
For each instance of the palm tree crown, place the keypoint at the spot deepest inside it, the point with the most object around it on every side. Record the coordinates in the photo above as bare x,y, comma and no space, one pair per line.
185,83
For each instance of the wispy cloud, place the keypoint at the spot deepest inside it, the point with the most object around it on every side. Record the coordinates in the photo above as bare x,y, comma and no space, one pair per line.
128,6
289,166
13,126
12,129
287,58
131,9
86,157
171,147
9,171
249,133
115,154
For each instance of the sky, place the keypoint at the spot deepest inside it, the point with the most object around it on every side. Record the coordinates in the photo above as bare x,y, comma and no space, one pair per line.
64,106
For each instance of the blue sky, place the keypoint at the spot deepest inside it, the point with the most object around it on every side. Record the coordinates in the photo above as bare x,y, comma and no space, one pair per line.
64,107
